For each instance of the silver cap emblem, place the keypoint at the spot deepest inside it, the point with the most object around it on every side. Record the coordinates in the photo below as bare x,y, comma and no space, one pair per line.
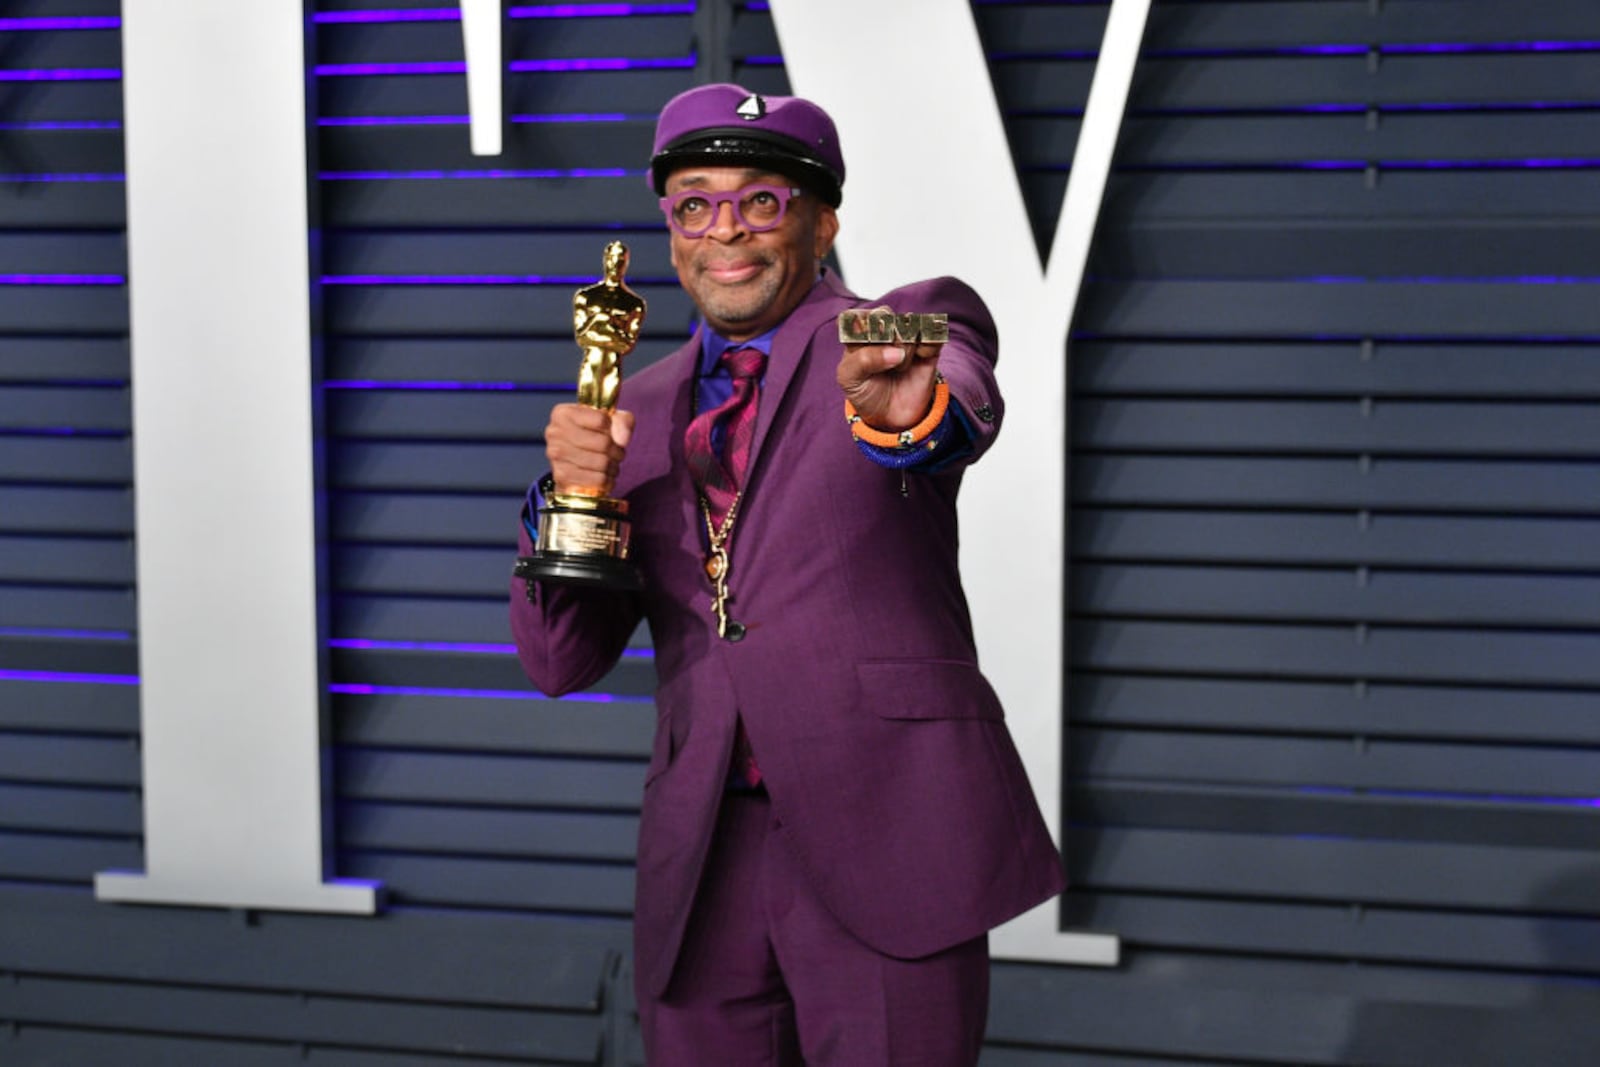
751,108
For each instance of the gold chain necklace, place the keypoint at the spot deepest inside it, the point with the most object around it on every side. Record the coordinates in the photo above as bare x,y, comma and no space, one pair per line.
718,564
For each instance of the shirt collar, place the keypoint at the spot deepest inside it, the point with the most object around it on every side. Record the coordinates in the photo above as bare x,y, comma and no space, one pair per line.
713,344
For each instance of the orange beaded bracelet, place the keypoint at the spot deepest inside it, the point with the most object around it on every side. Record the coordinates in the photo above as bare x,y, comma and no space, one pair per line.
861,431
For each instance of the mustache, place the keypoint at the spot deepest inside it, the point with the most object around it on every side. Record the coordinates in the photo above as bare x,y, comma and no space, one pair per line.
714,262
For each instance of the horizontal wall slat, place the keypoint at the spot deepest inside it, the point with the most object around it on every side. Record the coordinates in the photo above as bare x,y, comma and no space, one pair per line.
1383,483
77,204
536,146
550,727
1489,542
415,571
1343,812
1274,83
1376,709
477,309
557,784
597,35
1347,933
51,1044
343,1021
1504,657
1465,771
1288,23
68,707
1399,197
416,415
418,830
1393,427
1267,309
1410,873
59,253
94,151
1403,138
570,888
43,606
80,460
507,469
632,676
1376,595
489,360
639,92
1504,247
383,618
1222,1009
488,202
521,962
560,254
97,650
422,518
63,359
42,809
78,560
27,857
1348,369
45,760
63,309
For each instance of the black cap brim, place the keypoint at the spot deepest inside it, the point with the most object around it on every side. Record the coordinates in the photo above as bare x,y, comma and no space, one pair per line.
747,147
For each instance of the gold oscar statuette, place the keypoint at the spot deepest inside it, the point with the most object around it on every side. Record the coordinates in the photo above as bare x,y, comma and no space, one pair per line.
583,535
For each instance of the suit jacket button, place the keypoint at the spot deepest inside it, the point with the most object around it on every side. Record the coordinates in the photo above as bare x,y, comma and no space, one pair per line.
985,413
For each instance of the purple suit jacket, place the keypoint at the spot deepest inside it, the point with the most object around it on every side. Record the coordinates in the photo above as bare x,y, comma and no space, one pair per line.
883,748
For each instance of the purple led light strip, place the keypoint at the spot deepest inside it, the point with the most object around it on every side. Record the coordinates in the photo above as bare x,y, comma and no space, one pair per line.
661,63
389,175
69,676
462,120
1436,279
457,279
578,11
436,386
474,648
62,74
469,647
483,694
25,25
62,125
545,11
1414,794
62,279
62,177
76,635
521,66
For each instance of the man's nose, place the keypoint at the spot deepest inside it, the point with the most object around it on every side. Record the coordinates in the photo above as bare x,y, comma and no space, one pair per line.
724,231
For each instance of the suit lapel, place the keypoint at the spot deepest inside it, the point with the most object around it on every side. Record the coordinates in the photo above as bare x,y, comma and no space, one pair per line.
790,350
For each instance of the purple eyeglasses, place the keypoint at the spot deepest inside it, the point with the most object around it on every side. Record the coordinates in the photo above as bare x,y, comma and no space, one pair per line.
758,208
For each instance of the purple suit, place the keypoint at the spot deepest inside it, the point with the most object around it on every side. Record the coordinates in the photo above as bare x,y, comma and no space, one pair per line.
884,750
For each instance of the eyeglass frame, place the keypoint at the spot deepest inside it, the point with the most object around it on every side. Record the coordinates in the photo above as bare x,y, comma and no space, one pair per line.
732,197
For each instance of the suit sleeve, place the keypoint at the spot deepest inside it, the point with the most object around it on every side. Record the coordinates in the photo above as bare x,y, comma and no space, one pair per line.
967,363
568,638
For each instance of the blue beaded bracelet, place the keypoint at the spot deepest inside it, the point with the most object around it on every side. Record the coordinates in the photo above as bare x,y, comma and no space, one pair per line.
909,455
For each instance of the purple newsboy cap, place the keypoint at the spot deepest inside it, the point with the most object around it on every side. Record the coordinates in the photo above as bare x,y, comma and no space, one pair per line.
726,125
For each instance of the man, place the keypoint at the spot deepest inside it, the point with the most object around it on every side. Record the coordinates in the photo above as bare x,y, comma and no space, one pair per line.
834,814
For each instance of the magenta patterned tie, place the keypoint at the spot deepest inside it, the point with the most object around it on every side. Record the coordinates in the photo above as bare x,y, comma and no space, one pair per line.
719,478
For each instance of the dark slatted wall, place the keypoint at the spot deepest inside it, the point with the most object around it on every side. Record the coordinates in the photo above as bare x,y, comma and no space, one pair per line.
68,705
1335,573
1333,584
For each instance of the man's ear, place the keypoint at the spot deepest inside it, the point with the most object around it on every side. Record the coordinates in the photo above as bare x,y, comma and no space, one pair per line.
826,230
